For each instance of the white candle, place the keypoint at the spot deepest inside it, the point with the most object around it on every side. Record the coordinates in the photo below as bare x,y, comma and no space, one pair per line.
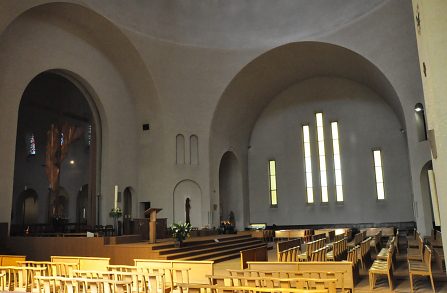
116,196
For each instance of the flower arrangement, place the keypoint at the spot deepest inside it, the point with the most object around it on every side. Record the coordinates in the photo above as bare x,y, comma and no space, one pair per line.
116,213
180,231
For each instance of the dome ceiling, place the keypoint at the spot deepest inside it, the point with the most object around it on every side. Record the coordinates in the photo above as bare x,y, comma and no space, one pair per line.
234,23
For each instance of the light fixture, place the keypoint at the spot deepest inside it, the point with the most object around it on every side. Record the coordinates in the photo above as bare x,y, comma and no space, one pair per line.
72,162
418,107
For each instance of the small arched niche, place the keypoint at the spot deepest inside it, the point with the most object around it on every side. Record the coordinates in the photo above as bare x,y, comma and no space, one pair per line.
183,190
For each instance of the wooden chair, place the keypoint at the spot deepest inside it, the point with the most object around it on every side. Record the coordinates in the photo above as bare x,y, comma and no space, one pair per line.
412,239
416,253
421,268
375,242
383,254
20,278
2,281
319,254
364,251
63,269
380,267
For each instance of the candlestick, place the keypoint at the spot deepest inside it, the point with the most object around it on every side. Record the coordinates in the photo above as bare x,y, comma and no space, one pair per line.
116,197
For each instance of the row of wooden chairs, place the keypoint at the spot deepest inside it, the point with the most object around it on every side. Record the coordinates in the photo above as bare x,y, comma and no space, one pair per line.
52,284
202,288
338,250
364,256
271,282
421,268
61,269
21,278
376,241
17,278
171,276
289,255
382,267
319,254
311,247
358,238
338,275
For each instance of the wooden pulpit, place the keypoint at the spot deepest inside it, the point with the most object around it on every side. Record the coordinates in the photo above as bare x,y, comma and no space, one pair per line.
152,215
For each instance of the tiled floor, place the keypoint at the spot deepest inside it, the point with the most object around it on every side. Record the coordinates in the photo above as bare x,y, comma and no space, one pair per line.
401,281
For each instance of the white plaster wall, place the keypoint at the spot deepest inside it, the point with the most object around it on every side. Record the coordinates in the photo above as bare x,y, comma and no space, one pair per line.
138,77
365,122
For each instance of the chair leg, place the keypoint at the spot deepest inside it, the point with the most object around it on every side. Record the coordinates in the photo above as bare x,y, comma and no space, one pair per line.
411,282
432,283
371,286
390,281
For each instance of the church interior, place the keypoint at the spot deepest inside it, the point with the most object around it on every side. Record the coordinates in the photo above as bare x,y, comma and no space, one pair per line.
300,142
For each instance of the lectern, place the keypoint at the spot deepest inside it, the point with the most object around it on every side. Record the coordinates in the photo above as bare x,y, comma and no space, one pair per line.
152,215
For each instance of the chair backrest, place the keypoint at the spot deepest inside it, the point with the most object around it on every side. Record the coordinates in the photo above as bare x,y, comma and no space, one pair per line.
427,257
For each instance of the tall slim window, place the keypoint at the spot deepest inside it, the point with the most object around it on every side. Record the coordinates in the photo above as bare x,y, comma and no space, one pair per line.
31,143
337,162
322,157
379,174
272,183
308,164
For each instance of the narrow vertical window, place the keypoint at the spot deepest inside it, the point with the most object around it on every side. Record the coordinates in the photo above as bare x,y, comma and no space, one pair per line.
180,149
379,174
89,134
337,162
31,143
322,157
272,183
194,149
308,164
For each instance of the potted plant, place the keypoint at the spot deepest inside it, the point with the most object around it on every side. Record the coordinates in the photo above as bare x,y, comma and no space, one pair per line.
180,231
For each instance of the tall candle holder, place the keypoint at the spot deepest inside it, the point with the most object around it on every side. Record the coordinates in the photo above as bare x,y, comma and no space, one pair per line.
115,213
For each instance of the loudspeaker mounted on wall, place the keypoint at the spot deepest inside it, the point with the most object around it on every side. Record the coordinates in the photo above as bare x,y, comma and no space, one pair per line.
432,140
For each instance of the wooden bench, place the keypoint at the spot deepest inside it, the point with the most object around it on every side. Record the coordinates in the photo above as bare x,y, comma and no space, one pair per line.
284,245
84,263
271,282
253,254
11,260
202,288
198,269
344,268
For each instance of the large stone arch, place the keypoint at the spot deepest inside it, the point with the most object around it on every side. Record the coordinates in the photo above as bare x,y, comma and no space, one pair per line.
74,40
261,80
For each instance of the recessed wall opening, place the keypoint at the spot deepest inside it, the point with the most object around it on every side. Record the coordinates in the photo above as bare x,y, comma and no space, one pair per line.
55,146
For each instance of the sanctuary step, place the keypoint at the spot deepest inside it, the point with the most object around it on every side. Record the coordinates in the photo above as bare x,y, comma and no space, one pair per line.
217,250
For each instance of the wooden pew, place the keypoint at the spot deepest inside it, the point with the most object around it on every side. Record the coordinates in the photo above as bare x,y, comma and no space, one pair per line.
198,269
11,260
345,269
202,288
253,254
284,245
271,282
84,263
